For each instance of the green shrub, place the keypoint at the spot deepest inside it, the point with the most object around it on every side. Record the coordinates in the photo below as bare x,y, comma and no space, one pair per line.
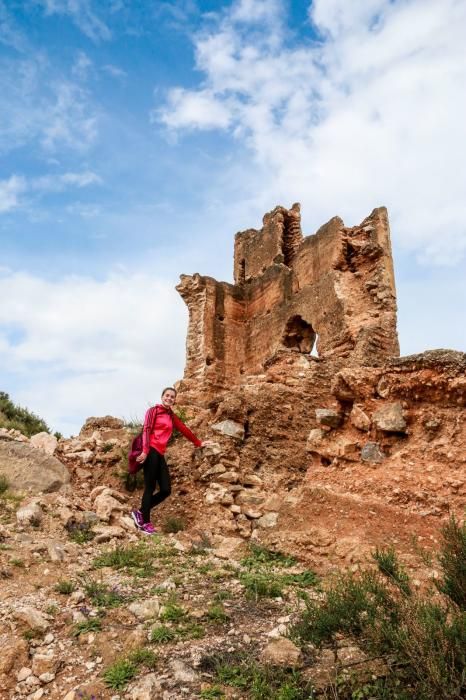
423,642
216,613
102,595
92,624
161,634
452,559
134,558
256,681
13,416
118,675
172,612
259,584
259,556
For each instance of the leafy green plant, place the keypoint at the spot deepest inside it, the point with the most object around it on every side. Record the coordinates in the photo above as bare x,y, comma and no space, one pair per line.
259,556
173,524
102,595
259,584
161,634
65,587
172,612
143,657
118,675
134,558
452,559
304,578
121,672
92,624
255,681
216,613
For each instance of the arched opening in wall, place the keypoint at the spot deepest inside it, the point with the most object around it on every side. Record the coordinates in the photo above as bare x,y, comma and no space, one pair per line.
299,335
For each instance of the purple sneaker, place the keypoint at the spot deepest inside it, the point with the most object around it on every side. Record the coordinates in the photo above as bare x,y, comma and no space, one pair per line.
148,529
138,519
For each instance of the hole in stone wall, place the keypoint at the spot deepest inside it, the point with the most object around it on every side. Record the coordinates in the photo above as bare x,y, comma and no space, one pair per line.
299,335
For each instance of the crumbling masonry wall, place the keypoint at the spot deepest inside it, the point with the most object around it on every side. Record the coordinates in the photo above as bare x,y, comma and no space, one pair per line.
332,293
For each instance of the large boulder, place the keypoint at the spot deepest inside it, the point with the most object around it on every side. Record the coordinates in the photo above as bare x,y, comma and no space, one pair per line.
29,469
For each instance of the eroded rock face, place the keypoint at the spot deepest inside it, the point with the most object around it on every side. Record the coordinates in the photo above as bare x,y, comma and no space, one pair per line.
30,469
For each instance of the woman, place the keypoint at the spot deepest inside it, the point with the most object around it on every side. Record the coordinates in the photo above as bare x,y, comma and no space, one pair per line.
158,427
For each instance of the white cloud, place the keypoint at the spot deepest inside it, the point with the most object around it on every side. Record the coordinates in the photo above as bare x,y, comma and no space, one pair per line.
86,346
37,107
17,185
372,114
10,191
82,14
114,71
197,109
56,183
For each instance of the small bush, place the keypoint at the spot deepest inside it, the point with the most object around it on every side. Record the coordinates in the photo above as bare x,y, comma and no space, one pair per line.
260,556
161,634
255,681
64,587
118,675
134,558
173,524
216,613
107,447
259,584
452,559
143,657
102,595
172,612
92,624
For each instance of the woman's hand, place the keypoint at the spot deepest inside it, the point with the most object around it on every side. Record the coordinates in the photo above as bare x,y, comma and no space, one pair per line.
141,458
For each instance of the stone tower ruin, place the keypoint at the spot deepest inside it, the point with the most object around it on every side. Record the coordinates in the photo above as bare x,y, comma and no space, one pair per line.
330,294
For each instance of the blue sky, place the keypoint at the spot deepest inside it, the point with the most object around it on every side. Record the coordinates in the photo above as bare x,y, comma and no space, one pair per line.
137,137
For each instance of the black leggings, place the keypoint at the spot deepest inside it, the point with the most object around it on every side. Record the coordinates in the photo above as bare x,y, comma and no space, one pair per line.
155,472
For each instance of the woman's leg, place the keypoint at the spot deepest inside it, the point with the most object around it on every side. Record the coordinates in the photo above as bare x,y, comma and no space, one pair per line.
150,482
163,478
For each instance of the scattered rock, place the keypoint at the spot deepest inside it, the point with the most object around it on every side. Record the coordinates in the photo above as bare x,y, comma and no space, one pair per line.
281,652
182,672
389,418
33,618
359,418
145,610
371,452
44,441
30,514
229,428
148,688
29,469
328,417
